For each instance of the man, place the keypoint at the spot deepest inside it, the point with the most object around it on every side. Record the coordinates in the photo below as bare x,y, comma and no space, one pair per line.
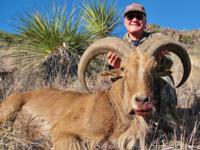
164,91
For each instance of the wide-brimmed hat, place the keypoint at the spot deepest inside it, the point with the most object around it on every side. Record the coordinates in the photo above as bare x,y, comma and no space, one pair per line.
135,7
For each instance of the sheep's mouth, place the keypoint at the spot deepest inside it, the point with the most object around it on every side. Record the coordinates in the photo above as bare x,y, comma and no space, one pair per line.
143,112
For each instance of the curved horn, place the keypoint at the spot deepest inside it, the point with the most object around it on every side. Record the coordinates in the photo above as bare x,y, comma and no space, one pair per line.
101,46
164,43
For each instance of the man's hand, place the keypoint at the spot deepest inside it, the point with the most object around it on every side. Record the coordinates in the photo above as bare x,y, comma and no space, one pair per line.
113,59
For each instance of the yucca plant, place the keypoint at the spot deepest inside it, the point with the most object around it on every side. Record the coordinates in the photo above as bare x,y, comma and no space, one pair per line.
100,18
53,42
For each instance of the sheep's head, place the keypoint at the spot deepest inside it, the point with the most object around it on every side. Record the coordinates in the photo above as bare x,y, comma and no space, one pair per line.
137,71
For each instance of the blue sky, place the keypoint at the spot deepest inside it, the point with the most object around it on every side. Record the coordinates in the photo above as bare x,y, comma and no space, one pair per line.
176,14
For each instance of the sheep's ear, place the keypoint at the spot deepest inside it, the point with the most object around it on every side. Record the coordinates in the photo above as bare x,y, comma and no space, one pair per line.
111,73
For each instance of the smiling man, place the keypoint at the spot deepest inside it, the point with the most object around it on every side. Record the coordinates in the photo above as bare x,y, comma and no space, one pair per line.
135,21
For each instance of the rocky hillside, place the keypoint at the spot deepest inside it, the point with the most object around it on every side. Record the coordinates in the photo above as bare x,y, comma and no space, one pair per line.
189,37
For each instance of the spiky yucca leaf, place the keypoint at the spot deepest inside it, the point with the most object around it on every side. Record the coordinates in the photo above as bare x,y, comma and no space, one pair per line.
48,31
99,19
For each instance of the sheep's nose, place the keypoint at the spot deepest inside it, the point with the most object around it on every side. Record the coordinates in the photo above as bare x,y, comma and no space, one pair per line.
143,99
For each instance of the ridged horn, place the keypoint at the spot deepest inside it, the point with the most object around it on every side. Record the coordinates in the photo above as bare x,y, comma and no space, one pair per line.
164,43
101,46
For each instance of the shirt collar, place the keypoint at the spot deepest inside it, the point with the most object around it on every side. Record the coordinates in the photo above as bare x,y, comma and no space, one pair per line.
136,42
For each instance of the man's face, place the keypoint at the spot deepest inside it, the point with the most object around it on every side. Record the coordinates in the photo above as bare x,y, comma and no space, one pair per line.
135,22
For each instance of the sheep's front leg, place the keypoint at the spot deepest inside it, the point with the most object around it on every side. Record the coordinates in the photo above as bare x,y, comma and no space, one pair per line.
66,141
10,107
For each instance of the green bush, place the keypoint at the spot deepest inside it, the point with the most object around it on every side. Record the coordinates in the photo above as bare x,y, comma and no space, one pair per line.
187,39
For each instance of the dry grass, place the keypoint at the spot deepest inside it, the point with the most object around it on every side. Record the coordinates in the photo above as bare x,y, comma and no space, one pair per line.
22,135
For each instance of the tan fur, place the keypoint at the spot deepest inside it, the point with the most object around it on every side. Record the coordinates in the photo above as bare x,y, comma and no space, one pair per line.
71,118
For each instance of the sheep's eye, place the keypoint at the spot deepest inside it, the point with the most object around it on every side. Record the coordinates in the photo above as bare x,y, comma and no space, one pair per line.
122,68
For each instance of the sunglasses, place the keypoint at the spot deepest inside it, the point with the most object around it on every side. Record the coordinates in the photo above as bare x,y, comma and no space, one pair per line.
138,16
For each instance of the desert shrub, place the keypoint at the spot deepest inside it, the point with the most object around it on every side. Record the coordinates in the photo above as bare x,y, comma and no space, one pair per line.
187,39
